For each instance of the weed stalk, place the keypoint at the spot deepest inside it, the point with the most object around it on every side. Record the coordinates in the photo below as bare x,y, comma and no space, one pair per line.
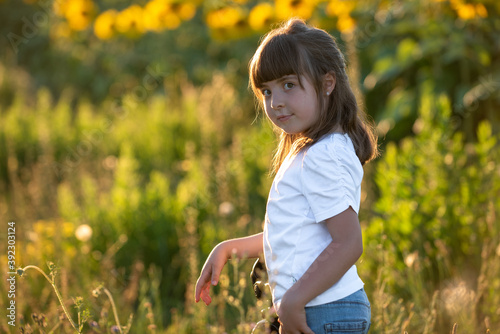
51,280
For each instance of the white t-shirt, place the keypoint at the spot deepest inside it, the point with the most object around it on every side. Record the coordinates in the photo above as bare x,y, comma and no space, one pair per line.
317,183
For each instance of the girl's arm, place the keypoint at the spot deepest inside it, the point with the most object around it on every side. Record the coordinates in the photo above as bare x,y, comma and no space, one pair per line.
246,247
328,268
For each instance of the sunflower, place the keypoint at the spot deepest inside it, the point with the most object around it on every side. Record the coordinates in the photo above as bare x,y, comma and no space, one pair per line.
104,25
468,11
225,17
288,8
261,16
79,13
345,23
155,13
185,10
171,20
338,8
130,21
481,10
227,23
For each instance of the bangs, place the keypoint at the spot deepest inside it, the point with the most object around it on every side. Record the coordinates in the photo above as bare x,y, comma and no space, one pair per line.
276,57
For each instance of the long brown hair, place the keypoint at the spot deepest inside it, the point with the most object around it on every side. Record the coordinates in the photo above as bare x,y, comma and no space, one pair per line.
296,48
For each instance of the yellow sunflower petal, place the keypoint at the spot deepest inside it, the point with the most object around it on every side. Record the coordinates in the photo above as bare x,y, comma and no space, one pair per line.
130,21
345,23
186,11
80,13
104,25
289,8
481,10
261,16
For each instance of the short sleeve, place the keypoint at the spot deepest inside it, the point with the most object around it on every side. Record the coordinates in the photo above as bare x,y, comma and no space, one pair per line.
331,177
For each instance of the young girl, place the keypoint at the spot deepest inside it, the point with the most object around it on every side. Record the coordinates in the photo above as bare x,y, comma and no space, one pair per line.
312,237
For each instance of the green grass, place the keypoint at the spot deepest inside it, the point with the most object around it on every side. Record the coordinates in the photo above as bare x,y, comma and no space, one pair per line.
161,181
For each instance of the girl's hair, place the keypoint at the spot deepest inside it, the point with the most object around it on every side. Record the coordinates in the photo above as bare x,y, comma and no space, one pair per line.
296,48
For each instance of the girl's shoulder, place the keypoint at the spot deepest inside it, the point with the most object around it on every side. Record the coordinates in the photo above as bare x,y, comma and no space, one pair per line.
335,144
334,152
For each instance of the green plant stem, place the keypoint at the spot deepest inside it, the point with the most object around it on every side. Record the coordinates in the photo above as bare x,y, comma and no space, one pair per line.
110,297
51,281
80,326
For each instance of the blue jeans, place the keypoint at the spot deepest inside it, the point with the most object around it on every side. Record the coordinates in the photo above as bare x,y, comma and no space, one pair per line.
348,315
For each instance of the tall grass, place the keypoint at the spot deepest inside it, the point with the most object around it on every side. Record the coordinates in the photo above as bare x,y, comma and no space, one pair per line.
133,194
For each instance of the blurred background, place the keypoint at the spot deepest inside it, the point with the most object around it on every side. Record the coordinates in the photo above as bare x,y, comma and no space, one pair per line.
130,145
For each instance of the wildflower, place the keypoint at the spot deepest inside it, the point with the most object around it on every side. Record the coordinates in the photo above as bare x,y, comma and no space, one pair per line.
224,281
115,329
83,232
78,302
242,282
94,324
226,209
104,26
67,229
97,291
45,228
40,320
457,297
52,266
261,16
411,258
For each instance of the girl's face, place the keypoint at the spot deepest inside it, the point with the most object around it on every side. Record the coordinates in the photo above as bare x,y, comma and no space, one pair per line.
289,106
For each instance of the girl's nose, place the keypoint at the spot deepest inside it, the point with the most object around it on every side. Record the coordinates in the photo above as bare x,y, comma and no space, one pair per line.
277,102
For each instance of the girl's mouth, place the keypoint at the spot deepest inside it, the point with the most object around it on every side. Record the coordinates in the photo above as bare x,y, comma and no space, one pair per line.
283,118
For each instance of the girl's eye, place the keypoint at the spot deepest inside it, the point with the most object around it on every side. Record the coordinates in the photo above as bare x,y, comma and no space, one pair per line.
289,85
266,92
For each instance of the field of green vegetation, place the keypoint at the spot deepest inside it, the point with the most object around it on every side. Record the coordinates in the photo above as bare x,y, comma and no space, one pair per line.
126,156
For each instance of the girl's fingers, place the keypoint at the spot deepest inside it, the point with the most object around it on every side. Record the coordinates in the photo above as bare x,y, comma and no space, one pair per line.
205,295
209,276
197,291
200,284
215,276
203,285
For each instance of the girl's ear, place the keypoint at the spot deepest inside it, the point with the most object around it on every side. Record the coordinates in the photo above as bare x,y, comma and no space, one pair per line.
329,82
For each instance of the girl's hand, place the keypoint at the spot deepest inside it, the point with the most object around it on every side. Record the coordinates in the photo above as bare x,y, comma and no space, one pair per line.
210,273
292,316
